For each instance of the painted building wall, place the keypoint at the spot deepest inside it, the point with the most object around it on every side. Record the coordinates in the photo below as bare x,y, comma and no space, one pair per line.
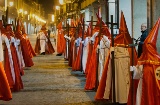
125,6
139,16
156,15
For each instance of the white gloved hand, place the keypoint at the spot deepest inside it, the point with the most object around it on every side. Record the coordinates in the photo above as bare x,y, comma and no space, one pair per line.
98,47
131,68
65,36
137,71
82,42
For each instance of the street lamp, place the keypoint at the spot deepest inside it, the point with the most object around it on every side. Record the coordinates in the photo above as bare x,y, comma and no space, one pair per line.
11,4
61,2
25,12
57,7
20,10
52,18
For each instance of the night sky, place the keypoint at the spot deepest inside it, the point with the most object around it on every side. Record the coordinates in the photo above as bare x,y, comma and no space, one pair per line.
48,5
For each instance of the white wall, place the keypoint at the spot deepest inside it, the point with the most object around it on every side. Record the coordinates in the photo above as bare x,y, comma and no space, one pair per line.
125,6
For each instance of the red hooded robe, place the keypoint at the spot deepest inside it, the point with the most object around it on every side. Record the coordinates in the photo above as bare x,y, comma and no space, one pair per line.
150,59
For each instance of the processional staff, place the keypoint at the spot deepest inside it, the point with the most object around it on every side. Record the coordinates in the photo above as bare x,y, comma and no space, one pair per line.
112,58
67,28
91,25
83,28
96,84
99,38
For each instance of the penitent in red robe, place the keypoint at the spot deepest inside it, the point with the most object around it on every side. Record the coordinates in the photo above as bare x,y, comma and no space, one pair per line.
18,85
150,59
91,76
60,40
5,92
25,51
31,51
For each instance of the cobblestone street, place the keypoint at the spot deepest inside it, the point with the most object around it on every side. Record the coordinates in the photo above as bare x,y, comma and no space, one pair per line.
52,82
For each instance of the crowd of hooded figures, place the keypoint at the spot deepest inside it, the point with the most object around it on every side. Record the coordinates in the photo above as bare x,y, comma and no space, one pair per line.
16,53
90,52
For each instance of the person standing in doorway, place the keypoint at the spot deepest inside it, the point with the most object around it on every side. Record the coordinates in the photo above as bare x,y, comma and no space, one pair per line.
142,38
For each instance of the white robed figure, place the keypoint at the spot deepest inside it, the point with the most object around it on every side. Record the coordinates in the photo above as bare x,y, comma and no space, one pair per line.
19,52
85,52
103,52
43,39
1,49
7,43
67,46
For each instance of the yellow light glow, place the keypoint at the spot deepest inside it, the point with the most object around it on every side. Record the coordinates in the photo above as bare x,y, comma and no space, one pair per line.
52,18
25,12
20,10
28,17
61,2
57,7
33,15
11,4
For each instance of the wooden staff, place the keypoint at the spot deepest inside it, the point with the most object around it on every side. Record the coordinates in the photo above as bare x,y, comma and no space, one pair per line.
6,19
112,59
68,28
83,28
3,19
99,38
96,84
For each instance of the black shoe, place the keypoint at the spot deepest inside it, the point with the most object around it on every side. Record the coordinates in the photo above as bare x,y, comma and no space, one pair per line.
43,53
58,54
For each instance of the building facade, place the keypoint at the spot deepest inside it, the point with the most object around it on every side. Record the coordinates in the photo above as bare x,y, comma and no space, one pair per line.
29,11
136,12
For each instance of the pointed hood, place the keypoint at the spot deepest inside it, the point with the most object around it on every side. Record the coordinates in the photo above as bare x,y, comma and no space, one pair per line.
150,54
105,31
18,32
1,24
18,27
59,26
97,26
123,37
73,24
88,32
23,30
80,31
43,27
1,27
81,19
9,29
99,12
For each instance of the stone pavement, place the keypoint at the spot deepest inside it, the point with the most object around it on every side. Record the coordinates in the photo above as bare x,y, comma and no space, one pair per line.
52,82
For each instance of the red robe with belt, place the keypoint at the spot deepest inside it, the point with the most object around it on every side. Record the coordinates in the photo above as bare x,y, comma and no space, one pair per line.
91,76
31,51
25,51
60,42
17,84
